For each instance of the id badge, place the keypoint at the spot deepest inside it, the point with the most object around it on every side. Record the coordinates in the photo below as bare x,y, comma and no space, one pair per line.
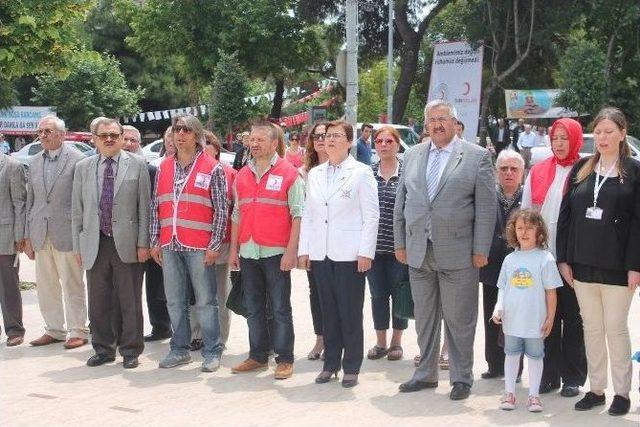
274,182
202,181
594,213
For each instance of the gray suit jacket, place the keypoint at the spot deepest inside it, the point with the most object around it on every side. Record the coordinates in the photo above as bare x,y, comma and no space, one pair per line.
131,207
462,214
49,214
13,195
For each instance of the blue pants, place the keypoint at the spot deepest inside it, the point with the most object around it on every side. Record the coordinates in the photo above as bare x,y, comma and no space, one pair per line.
386,272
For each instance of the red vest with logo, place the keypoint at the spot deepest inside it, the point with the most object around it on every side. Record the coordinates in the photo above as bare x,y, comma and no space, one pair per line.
190,217
264,205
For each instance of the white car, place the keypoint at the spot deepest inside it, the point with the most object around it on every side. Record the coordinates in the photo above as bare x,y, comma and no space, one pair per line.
151,153
588,148
408,138
28,151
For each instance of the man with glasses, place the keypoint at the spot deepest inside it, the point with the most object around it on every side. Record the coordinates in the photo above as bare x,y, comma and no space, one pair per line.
48,238
188,224
444,217
111,241
269,196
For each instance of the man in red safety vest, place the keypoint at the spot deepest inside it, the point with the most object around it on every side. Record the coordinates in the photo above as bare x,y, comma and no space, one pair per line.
269,197
188,224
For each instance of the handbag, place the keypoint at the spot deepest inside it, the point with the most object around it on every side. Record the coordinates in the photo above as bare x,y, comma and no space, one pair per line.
402,300
235,301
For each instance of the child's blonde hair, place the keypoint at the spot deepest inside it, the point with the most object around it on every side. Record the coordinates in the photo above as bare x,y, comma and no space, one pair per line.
529,216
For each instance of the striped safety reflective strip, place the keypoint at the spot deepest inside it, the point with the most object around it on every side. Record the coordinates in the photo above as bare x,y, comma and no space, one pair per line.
195,225
263,200
190,198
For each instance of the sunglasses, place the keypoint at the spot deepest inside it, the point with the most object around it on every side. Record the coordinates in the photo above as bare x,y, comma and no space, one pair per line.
318,136
106,136
45,132
388,141
182,128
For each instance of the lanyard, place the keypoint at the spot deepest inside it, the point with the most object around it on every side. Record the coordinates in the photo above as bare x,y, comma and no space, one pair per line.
176,197
598,185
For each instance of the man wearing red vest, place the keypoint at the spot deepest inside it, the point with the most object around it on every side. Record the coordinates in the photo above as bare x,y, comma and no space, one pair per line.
188,224
269,197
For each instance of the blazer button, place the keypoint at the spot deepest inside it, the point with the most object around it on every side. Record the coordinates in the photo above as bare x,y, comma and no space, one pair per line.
326,222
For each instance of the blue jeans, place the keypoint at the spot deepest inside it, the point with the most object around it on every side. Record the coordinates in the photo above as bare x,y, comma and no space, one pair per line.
263,280
178,267
386,272
532,347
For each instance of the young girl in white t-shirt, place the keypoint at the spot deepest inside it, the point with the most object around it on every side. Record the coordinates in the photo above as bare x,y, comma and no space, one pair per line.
526,303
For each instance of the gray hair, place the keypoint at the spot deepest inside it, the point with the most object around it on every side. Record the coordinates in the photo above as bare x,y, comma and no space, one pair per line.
106,121
192,122
94,122
509,154
57,121
440,103
130,128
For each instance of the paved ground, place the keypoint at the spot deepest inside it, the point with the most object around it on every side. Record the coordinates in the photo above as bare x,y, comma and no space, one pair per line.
53,387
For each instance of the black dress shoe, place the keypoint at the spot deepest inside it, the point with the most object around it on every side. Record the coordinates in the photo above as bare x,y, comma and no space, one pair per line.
589,401
130,362
548,387
620,405
157,336
349,380
491,374
416,385
569,390
326,376
196,344
99,359
460,391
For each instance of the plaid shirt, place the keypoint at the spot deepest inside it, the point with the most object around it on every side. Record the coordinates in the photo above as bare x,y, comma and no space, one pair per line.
218,190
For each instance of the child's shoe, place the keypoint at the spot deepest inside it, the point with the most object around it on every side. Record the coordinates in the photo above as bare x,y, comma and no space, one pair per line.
534,404
508,402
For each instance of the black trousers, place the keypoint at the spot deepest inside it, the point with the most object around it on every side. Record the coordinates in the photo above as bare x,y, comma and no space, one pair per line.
156,300
564,353
314,303
115,302
341,290
493,353
10,298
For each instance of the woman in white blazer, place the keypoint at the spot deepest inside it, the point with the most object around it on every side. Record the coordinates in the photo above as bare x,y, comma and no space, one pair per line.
338,242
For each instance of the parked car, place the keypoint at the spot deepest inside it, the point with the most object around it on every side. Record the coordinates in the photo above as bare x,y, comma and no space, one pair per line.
588,148
408,138
151,153
28,151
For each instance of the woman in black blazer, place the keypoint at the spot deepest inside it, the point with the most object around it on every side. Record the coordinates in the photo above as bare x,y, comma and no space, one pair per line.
598,251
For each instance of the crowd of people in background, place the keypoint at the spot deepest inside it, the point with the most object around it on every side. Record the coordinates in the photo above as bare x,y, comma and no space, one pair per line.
555,246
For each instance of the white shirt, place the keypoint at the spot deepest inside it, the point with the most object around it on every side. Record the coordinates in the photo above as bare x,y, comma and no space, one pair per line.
334,171
444,157
527,140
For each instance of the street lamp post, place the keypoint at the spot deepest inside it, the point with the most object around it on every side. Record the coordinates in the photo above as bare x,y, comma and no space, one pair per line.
390,65
351,108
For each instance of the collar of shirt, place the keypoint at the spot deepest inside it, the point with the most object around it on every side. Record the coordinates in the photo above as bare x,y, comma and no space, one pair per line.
188,166
52,154
396,173
254,168
448,148
115,158
338,166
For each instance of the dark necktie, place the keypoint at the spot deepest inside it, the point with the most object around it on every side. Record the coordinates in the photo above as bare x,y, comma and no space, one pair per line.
106,199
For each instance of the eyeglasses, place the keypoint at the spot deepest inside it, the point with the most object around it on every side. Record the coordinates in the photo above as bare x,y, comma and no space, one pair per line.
388,141
335,135
509,169
438,120
106,136
182,128
45,132
318,136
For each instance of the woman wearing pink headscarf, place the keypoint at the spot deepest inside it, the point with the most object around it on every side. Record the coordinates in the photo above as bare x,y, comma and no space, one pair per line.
564,348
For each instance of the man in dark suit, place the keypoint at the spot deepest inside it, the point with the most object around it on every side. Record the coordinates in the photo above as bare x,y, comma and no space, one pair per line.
500,136
516,134
154,281
111,202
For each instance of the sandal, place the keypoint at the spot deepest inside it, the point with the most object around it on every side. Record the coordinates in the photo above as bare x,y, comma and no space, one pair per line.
394,352
443,363
416,360
377,352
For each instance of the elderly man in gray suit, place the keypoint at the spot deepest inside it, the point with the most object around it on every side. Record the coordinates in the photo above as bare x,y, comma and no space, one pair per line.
443,225
48,232
111,198
13,195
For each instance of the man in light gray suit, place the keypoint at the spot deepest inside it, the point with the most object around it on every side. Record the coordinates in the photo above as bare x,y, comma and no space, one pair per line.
13,195
111,199
48,232
443,225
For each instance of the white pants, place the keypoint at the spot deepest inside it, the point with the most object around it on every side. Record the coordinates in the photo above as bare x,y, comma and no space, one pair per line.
59,278
605,312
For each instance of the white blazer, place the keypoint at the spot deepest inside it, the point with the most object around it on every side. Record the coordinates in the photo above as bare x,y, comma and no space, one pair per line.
340,221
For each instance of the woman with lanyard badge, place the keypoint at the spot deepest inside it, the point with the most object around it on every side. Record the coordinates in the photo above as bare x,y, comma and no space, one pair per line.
598,251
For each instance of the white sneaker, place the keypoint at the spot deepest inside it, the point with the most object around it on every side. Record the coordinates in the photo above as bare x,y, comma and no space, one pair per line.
534,404
210,364
508,402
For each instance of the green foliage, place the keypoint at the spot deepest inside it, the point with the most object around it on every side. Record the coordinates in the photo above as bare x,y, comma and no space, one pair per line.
228,107
582,78
94,87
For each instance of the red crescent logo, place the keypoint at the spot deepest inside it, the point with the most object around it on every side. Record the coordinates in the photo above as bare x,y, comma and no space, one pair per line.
467,88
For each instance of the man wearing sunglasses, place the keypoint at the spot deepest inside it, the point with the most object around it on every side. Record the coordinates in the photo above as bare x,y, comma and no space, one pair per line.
48,238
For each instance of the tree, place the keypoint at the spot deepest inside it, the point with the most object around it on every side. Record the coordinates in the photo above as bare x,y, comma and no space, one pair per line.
228,107
94,87
37,37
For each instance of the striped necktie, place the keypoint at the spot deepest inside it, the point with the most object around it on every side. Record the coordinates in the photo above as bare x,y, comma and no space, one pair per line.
434,173
106,199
